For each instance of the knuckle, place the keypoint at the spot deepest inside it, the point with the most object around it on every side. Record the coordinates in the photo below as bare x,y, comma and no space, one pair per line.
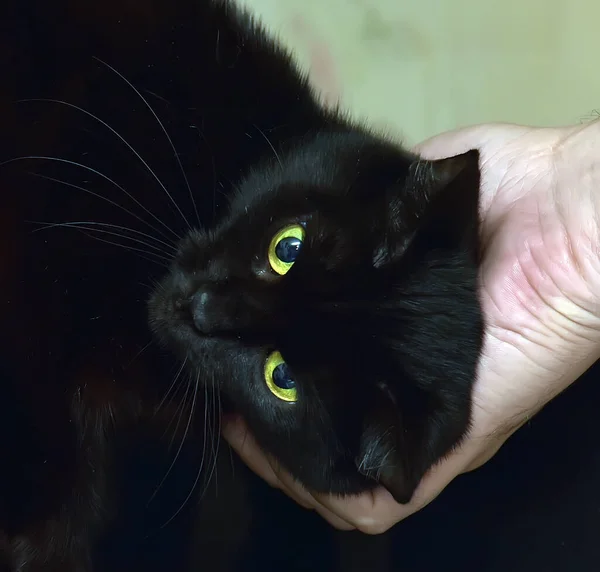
371,526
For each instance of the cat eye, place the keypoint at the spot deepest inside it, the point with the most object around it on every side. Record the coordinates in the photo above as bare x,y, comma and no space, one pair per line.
285,247
279,378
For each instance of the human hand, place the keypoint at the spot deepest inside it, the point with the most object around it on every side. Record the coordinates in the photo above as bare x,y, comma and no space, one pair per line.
540,291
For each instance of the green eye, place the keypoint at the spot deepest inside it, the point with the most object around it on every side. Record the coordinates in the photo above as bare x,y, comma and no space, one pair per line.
279,379
285,247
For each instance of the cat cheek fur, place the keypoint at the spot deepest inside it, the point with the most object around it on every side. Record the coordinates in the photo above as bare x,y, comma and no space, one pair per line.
420,416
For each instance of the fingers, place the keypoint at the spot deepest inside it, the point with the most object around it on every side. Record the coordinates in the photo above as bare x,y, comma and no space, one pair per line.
465,139
452,142
292,488
241,440
376,512
372,512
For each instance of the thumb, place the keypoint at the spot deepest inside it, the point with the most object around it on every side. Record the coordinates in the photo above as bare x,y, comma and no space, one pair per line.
376,512
457,141
453,142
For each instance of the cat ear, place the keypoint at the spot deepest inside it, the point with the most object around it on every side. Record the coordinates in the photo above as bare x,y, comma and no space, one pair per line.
392,450
449,217
434,209
406,432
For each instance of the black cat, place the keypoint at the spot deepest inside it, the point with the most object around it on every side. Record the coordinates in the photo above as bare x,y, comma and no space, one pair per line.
168,158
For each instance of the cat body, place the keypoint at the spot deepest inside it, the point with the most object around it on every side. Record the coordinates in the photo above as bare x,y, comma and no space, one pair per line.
151,154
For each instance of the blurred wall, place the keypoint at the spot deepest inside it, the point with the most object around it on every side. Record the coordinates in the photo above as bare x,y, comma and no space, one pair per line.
420,67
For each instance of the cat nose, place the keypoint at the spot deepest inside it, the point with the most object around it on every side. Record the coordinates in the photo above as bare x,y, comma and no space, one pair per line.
208,310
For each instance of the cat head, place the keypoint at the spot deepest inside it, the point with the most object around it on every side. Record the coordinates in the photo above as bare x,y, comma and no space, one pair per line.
336,308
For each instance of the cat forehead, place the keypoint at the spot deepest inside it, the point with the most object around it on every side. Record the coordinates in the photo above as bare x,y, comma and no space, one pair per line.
263,198
260,210
238,239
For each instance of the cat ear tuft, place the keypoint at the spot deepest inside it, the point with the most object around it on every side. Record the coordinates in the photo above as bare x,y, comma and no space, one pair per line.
442,172
395,475
407,431
391,451
450,217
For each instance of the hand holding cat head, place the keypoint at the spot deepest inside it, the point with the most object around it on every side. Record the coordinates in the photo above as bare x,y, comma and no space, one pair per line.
539,281
335,307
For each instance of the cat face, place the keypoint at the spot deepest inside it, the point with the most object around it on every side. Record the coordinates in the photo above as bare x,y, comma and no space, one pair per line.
336,307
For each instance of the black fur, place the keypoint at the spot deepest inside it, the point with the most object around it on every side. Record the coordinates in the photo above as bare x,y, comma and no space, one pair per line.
378,319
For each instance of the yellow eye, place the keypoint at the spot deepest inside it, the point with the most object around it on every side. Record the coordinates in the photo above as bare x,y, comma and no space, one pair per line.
285,247
279,379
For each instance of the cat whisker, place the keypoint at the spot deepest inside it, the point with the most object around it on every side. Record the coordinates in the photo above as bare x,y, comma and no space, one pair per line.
215,426
156,284
208,427
171,248
270,144
102,175
121,138
208,430
159,97
89,226
83,189
89,232
183,407
219,422
136,356
205,428
216,422
160,260
214,170
171,386
176,155
153,285
197,383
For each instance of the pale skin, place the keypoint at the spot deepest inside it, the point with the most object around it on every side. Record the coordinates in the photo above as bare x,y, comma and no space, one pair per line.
540,291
